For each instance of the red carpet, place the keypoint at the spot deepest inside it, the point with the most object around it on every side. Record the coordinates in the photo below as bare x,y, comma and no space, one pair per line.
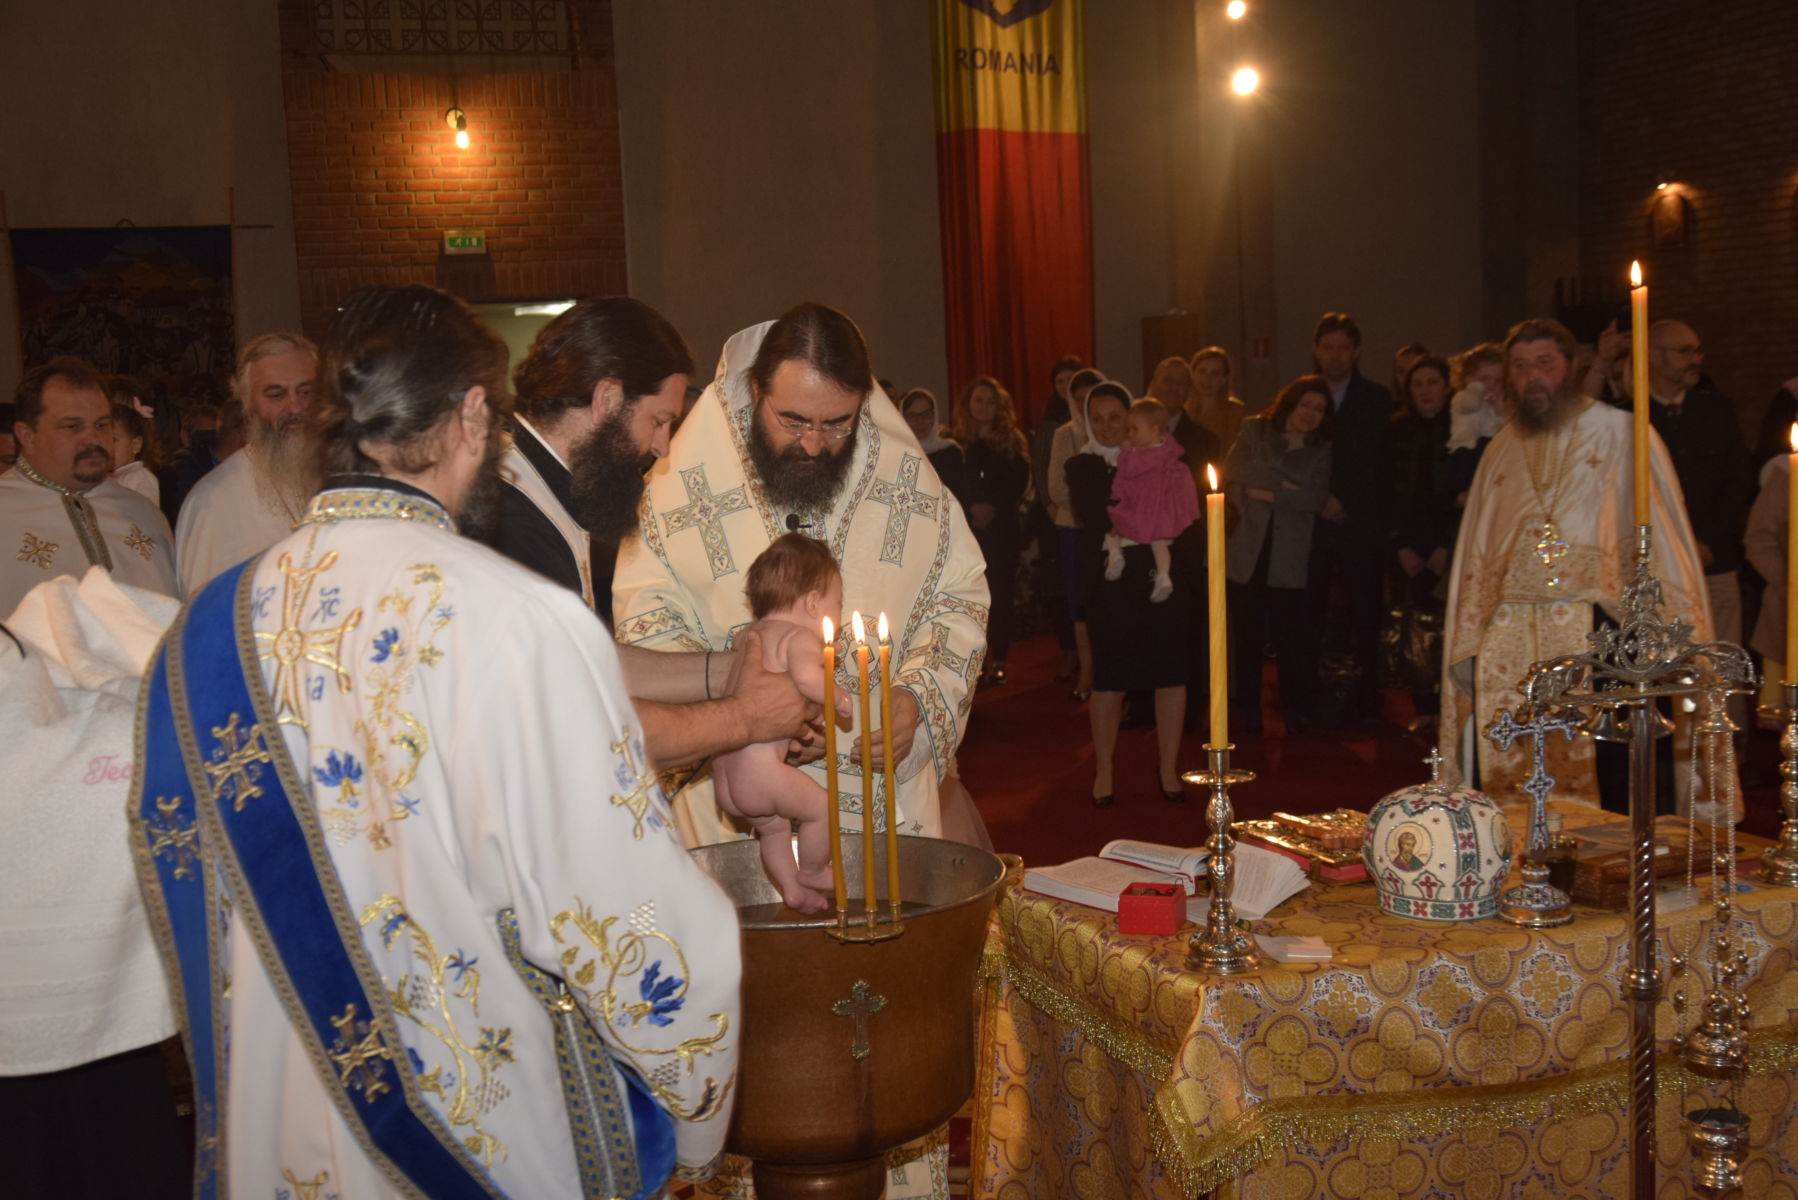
1028,761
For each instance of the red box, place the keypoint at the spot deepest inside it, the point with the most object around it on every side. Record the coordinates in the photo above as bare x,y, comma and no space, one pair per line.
1151,908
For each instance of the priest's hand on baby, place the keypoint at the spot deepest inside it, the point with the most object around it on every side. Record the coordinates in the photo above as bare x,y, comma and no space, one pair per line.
767,702
905,726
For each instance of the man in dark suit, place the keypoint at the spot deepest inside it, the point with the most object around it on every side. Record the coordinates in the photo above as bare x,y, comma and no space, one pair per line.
1349,545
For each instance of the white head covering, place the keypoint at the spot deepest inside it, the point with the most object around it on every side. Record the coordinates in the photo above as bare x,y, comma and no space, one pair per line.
1093,445
933,441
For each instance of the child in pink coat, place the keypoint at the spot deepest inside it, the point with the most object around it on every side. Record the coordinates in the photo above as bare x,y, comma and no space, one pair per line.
1153,499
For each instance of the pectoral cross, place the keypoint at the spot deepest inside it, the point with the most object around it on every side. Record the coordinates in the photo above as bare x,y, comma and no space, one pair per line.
233,767
1551,548
861,1004
359,1065
637,799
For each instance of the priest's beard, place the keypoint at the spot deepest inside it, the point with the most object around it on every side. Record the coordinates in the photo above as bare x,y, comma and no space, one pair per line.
479,506
286,472
608,469
1541,409
795,480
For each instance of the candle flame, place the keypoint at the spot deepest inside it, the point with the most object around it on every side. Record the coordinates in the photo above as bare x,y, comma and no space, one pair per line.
855,622
830,632
881,627
1635,274
1795,437
1211,476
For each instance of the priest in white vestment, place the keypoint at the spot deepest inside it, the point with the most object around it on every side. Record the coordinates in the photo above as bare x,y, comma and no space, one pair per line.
254,497
814,446
60,512
1547,538
465,749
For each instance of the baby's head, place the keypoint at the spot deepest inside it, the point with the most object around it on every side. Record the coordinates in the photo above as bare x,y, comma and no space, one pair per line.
1147,422
1482,367
795,577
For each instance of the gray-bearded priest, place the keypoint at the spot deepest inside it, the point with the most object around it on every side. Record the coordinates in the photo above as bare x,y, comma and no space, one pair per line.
793,435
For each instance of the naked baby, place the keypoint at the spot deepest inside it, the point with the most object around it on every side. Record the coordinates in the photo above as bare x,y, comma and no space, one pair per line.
791,586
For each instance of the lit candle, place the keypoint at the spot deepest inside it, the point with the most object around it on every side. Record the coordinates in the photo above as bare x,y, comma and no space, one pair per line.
1792,560
886,746
1638,374
1220,654
867,726
830,763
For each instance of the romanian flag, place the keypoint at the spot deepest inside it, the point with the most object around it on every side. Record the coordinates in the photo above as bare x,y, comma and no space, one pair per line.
1013,190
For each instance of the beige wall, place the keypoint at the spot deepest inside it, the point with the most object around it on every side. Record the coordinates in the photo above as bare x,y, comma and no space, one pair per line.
148,112
782,151
786,149
1370,119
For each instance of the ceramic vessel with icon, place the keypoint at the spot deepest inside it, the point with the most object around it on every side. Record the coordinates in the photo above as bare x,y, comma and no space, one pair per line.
1438,853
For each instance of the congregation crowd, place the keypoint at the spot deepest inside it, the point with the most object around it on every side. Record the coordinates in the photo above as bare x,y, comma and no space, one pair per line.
1344,501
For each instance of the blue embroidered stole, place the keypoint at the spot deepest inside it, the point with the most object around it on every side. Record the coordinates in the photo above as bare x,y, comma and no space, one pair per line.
222,819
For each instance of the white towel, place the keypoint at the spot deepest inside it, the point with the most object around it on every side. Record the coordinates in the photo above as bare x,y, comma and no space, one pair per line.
82,978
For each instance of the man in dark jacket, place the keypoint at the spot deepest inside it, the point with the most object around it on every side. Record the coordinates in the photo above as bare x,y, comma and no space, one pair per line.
1350,542
1698,424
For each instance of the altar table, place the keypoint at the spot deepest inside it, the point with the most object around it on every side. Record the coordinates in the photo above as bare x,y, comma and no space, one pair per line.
1472,1060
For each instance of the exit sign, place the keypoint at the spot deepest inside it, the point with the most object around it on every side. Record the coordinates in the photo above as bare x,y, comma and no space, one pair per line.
464,241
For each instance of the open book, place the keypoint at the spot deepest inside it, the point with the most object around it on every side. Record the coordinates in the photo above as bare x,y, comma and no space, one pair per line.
1261,881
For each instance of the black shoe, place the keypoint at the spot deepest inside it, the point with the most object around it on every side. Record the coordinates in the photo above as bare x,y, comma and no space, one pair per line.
1102,801
1081,696
1177,796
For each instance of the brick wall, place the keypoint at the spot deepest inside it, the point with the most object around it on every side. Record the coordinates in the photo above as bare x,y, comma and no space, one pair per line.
377,177
1709,94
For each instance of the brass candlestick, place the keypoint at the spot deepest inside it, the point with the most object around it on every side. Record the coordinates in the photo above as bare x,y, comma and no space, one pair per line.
1779,866
1221,948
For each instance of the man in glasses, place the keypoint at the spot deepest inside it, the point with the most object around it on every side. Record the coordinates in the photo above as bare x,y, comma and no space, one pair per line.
795,436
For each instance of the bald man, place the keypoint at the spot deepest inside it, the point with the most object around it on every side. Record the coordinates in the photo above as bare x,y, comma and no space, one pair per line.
1698,423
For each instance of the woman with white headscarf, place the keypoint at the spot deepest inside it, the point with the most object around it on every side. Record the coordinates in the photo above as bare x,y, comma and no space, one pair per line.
1137,645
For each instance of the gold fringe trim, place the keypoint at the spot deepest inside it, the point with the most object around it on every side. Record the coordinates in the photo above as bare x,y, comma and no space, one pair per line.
1118,1040
1201,1163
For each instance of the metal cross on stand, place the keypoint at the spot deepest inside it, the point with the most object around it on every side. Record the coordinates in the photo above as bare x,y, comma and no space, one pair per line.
1535,903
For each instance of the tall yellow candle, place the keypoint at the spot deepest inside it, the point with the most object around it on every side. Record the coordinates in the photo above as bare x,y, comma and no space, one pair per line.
886,746
830,763
1220,653
1638,375
1791,657
867,727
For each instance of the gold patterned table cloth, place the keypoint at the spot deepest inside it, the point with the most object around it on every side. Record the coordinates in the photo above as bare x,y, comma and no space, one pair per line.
1426,1060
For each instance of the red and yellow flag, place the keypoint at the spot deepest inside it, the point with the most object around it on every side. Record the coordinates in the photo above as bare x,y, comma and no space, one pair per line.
1013,190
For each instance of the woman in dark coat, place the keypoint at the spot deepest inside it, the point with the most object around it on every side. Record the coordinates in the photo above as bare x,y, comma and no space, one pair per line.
1137,645
1277,478
995,476
1421,520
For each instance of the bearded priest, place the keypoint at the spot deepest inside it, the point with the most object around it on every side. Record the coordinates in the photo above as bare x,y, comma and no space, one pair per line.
256,496
1547,546
432,930
793,435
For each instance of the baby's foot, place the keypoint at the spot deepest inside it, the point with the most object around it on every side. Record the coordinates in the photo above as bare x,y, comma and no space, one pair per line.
803,899
1164,587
